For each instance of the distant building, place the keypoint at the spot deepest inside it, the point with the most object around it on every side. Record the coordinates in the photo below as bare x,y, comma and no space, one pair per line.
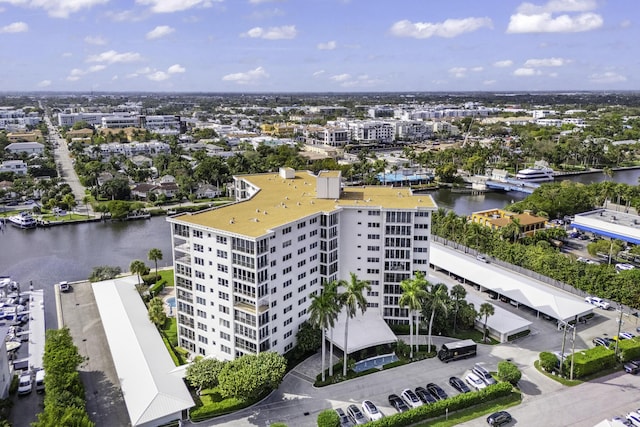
25,147
18,167
498,218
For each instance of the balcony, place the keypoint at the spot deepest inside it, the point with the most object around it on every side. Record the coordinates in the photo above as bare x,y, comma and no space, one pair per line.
250,308
185,248
184,260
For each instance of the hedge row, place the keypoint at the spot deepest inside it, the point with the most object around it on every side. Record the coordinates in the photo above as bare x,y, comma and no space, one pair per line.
590,361
438,409
629,349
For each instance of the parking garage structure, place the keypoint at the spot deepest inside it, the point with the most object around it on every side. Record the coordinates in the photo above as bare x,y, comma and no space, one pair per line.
608,223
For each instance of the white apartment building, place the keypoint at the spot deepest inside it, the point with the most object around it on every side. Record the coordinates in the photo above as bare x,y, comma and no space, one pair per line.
415,130
130,149
18,167
245,272
332,136
372,132
70,119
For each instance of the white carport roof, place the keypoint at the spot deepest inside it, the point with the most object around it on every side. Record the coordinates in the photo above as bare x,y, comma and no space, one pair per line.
142,362
365,330
502,321
532,293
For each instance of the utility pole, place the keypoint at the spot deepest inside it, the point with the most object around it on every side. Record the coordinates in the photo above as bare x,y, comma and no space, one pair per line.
573,348
564,337
619,327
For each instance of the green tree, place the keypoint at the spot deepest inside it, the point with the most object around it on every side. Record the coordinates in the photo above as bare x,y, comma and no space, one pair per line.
458,294
155,255
139,268
328,418
437,300
509,372
353,299
486,310
323,313
308,338
414,292
203,373
157,314
250,376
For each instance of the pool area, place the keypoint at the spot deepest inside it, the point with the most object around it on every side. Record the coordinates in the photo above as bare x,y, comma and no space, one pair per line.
171,301
375,362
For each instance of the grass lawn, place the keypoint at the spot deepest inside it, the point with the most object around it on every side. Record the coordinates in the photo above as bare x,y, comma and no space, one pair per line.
63,218
211,403
164,275
474,412
170,328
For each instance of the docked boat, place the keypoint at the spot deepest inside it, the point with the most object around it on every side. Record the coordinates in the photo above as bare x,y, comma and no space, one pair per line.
540,172
22,220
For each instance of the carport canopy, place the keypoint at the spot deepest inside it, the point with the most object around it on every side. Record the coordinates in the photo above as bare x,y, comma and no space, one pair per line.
530,292
365,330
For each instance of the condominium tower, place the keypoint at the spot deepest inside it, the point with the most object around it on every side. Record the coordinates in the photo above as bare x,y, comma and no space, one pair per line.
245,272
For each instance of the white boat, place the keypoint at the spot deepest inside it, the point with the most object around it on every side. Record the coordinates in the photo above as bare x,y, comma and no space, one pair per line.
540,172
22,220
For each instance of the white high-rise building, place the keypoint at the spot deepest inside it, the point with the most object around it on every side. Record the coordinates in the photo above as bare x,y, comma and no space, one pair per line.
245,272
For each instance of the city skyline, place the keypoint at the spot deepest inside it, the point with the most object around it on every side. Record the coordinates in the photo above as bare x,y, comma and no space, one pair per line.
317,46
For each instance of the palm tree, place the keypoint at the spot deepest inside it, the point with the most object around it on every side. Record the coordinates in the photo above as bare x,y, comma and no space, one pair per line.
485,311
414,292
157,314
155,255
338,302
323,313
353,300
458,293
437,299
138,267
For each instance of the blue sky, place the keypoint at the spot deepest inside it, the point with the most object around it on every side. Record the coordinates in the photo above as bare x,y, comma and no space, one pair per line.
319,45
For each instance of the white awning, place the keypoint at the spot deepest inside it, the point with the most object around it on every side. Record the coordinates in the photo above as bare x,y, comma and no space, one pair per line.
365,331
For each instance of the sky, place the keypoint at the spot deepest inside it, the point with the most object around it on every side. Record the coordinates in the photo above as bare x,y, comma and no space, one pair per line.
319,45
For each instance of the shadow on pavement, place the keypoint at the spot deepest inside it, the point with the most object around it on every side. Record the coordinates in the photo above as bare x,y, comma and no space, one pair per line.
105,404
529,388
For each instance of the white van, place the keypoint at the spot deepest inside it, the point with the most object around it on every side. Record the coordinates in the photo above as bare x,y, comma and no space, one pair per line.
40,381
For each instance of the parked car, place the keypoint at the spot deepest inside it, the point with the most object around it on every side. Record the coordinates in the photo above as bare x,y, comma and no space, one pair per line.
619,421
344,419
598,302
606,342
482,258
634,418
459,385
424,395
499,418
483,374
64,286
474,381
397,403
356,415
411,398
626,335
24,384
631,368
436,391
371,410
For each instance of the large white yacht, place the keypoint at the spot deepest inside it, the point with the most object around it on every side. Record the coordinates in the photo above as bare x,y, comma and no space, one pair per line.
22,220
540,172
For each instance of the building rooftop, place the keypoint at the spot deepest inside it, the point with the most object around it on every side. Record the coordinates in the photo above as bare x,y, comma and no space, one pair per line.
280,201
613,224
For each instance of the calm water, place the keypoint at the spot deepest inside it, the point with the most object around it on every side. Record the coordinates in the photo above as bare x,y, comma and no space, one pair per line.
47,256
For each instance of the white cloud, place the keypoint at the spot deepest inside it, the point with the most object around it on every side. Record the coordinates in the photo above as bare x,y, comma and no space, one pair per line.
95,68
553,6
266,14
249,77
263,1
477,69
327,46
125,16
44,83
503,64
361,81
76,73
169,6
112,57
57,8
341,77
319,73
489,82
546,23
67,55
448,28
95,40
159,31
176,68
458,72
272,33
15,27
158,76
607,77
625,24
526,72
546,62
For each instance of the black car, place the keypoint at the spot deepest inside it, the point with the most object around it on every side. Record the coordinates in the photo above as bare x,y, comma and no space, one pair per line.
632,367
356,415
436,391
424,395
344,419
459,385
397,403
499,418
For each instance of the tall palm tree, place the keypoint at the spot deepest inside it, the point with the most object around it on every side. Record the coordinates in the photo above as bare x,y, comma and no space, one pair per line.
323,313
437,299
485,311
137,267
414,292
458,293
155,255
353,300
338,301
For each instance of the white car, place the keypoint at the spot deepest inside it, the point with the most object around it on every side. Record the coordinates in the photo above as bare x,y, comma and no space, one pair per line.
482,258
371,411
474,381
599,302
634,418
626,335
411,398
24,384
